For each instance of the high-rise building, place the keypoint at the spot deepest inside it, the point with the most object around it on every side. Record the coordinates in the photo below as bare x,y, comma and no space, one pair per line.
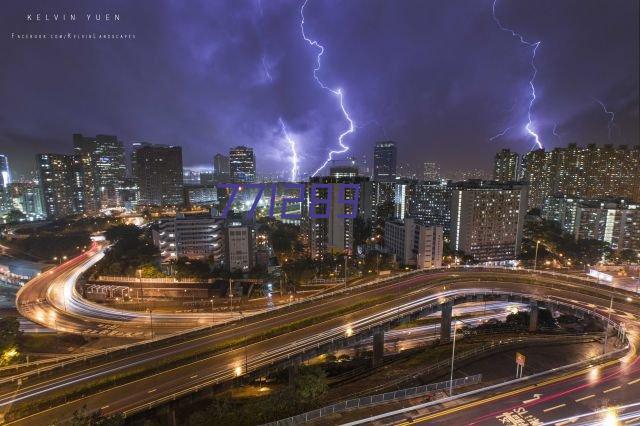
61,182
103,169
617,223
430,204
487,219
158,171
194,236
384,161
27,198
5,171
242,164
506,166
414,244
343,171
430,171
240,247
562,209
221,168
591,172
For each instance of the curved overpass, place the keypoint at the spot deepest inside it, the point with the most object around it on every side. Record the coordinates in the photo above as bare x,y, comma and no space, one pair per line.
392,299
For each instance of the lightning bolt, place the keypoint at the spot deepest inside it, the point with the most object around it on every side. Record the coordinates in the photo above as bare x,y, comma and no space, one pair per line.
294,153
555,132
336,92
611,114
499,135
532,98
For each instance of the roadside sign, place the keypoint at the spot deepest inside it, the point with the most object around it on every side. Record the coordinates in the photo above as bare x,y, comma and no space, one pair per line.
520,359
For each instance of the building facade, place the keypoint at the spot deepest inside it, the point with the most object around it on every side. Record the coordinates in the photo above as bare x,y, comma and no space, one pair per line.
487,219
158,174
506,166
414,244
61,183
240,247
194,236
616,223
384,161
242,165
221,168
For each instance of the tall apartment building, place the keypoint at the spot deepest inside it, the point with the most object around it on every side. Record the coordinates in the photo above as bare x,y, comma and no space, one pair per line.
562,209
240,247
158,174
617,223
487,219
430,171
103,169
61,183
27,198
221,168
331,234
5,171
242,164
591,172
194,236
506,166
414,244
384,161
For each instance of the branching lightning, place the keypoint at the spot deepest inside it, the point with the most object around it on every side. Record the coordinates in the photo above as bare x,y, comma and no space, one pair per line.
555,132
336,92
499,135
534,48
612,117
294,153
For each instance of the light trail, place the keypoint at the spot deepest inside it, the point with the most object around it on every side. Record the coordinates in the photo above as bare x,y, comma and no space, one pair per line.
336,92
294,154
532,97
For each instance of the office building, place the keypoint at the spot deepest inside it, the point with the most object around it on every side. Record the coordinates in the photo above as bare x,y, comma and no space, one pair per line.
221,168
5,171
506,166
487,219
242,164
158,174
239,247
60,178
384,161
614,222
194,236
414,244
200,195
103,169
343,171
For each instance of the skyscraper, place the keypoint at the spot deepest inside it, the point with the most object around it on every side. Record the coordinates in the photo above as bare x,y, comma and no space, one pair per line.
384,161
103,169
242,164
60,178
158,171
487,219
221,168
5,173
506,166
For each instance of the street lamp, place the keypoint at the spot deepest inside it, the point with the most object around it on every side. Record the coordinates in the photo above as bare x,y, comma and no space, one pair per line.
212,318
535,262
151,321
453,354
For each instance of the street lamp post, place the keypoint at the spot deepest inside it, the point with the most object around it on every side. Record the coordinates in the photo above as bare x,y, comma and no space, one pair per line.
151,321
453,354
535,262
212,317
606,328
345,271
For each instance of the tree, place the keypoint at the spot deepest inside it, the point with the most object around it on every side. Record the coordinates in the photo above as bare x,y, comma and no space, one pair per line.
14,216
311,383
119,232
9,333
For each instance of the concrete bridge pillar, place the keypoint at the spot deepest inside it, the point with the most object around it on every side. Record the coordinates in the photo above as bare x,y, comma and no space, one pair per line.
445,322
533,316
378,348
292,369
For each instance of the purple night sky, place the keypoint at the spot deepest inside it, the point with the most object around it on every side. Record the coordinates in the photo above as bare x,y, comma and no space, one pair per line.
438,77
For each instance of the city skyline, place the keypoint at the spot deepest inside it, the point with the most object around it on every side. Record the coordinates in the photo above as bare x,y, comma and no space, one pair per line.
230,86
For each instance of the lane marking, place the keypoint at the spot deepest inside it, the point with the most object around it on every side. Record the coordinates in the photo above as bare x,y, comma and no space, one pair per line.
194,376
611,389
632,421
633,382
153,390
104,408
536,396
585,398
554,408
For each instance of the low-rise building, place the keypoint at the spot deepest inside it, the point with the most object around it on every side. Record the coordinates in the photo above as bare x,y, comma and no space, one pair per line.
195,236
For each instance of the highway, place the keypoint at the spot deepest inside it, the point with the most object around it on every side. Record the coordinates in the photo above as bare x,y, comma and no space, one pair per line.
51,300
397,297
